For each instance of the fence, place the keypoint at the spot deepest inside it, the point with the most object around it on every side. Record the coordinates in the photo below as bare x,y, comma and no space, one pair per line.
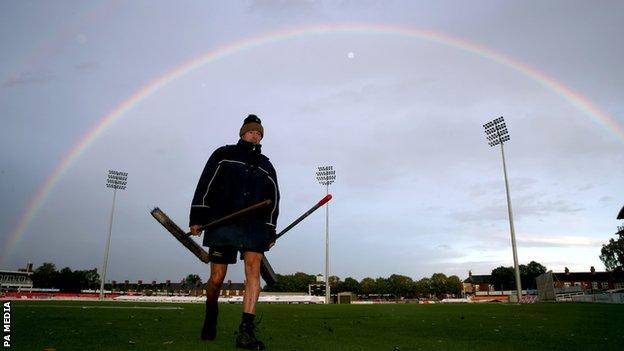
604,298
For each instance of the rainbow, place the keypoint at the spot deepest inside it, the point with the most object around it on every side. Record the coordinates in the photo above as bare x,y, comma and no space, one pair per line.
574,98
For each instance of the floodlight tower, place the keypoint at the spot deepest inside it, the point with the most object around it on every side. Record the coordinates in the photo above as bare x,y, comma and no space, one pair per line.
326,175
116,180
496,134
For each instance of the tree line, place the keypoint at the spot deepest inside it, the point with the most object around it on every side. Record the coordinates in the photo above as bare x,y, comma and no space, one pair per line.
396,285
66,280
504,278
47,276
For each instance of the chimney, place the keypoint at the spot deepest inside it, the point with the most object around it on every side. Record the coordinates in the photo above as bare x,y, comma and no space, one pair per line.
469,274
567,271
29,267
592,270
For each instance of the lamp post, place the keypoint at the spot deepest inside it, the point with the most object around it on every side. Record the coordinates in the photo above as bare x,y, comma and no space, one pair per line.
325,176
497,134
116,180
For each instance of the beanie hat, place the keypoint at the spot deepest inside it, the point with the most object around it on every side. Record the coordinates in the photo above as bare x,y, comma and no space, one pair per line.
252,122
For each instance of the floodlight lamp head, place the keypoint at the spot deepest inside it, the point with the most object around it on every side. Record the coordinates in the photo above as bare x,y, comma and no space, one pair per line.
326,175
117,180
496,131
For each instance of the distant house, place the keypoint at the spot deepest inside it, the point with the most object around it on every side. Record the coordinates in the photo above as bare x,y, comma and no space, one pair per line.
228,289
567,285
477,283
232,289
588,281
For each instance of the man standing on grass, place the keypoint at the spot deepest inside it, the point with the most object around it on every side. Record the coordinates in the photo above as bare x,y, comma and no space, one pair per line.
235,177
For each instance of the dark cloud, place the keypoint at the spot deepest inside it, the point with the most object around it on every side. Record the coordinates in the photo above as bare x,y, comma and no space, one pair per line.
489,187
29,77
586,187
531,205
606,199
281,8
87,66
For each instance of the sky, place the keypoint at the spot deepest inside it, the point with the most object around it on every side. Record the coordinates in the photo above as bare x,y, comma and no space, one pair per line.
392,94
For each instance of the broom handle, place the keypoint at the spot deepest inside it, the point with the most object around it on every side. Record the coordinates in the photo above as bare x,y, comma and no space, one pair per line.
303,216
236,214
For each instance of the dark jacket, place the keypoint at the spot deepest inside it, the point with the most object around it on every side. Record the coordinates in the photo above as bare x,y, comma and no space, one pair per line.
235,177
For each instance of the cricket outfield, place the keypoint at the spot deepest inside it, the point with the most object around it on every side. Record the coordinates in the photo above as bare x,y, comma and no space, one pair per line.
57,325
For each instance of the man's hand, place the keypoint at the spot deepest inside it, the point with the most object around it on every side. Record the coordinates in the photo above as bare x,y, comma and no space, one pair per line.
196,230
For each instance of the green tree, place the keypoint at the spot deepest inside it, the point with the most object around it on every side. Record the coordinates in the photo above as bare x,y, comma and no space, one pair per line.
297,282
528,274
367,286
301,281
351,285
381,286
334,284
503,278
92,279
84,279
192,281
612,253
423,287
45,276
438,284
278,286
400,285
454,285
67,281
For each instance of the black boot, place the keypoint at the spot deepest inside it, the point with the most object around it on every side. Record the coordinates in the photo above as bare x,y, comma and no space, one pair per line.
246,338
209,330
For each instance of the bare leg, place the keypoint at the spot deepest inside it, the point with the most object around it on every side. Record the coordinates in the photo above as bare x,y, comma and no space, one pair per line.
252,281
213,287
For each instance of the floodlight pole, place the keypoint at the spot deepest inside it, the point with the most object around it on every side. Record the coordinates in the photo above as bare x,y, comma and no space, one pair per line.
511,228
326,175
116,180
327,287
496,132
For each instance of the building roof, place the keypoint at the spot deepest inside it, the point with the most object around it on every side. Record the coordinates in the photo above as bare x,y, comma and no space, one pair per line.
233,286
589,276
478,279
15,272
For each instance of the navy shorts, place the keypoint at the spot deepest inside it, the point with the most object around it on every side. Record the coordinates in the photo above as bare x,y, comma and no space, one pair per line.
226,255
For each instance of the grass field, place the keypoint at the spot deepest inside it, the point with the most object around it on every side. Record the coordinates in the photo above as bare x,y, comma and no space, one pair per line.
146,326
